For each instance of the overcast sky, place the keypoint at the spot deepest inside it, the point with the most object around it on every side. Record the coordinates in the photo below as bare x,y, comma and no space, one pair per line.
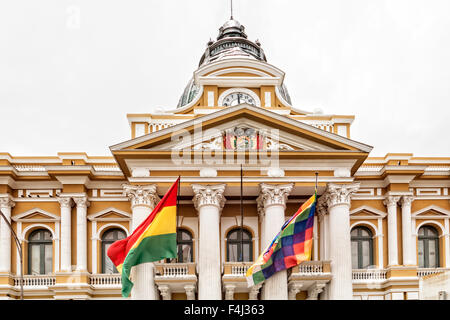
70,71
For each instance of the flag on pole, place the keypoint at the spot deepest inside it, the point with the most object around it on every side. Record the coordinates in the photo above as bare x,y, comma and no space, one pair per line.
291,246
153,240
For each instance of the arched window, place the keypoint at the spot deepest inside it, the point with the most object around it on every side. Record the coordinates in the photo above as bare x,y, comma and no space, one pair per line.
108,237
237,252
184,246
428,247
40,252
362,248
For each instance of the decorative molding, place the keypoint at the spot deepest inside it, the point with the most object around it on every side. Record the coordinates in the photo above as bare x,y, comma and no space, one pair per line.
97,216
23,216
141,195
208,195
378,213
445,213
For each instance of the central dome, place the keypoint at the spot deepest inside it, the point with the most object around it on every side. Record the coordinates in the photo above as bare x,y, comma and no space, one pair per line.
231,43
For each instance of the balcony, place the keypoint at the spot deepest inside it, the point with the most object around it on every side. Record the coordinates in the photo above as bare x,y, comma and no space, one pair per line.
176,278
424,272
310,276
368,275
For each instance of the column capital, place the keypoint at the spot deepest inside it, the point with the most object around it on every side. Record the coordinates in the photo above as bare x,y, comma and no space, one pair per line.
144,196
65,201
81,201
209,195
337,194
406,200
391,200
273,194
6,201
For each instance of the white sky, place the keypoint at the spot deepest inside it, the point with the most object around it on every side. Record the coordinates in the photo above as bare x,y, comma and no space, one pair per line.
70,71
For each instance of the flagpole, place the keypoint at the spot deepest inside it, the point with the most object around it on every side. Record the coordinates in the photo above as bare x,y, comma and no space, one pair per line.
177,211
242,222
19,250
317,175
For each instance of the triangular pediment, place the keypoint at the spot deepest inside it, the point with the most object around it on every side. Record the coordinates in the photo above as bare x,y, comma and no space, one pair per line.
110,214
36,215
431,211
296,134
366,212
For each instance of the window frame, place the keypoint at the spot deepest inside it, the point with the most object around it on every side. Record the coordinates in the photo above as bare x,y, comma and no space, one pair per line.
359,239
248,241
41,243
104,242
426,238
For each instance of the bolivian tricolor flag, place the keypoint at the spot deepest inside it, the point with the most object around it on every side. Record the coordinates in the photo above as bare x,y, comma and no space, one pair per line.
153,240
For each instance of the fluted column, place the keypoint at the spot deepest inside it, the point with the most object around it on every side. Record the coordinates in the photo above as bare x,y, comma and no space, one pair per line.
209,201
66,204
337,200
272,199
82,205
6,203
143,200
391,203
409,247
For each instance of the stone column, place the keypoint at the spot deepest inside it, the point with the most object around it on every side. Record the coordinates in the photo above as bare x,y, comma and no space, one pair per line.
190,291
229,291
166,293
272,199
66,204
6,203
391,203
409,249
82,204
315,290
337,200
209,201
253,294
143,201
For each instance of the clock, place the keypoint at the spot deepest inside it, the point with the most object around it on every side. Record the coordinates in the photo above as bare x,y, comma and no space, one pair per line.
236,98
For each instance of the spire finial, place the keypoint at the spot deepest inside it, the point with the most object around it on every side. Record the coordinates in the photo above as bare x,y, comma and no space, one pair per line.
231,5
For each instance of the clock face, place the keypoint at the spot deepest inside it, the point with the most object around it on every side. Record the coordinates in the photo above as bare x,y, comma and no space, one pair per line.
236,98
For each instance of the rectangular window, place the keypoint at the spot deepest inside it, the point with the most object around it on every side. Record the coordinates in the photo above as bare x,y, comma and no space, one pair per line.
139,129
355,255
267,99
210,98
342,130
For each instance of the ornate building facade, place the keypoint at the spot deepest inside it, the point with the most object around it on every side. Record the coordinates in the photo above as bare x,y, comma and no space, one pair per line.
382,223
